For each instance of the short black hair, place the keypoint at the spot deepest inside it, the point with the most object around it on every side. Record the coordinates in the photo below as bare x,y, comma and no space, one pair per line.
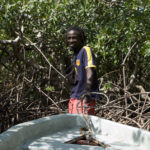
80,30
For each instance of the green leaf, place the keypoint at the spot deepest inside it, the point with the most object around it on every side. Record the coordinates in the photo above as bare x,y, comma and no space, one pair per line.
50,89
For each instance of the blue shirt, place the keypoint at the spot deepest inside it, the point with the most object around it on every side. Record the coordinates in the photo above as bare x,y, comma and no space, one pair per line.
84,59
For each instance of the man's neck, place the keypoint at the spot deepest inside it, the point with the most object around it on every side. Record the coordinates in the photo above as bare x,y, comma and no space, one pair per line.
76,51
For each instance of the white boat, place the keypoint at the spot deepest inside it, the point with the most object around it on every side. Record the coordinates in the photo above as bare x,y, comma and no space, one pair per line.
52,133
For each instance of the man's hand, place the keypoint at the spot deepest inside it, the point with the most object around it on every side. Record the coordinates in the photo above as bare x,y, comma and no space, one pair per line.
86,95
72,77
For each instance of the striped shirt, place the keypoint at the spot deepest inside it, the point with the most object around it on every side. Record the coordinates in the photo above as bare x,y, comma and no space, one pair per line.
84,59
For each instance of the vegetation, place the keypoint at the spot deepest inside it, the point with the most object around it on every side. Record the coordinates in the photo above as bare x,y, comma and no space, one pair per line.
34,57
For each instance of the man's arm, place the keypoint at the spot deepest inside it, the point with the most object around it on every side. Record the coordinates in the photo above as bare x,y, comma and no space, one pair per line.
89,82
89,77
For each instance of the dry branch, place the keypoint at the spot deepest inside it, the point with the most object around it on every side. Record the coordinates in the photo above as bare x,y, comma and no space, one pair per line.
10,41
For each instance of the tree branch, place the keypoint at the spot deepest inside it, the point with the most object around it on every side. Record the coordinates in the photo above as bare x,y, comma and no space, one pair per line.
39,50
10,41
132,77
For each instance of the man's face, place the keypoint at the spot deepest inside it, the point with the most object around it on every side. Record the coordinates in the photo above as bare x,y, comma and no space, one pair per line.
74,40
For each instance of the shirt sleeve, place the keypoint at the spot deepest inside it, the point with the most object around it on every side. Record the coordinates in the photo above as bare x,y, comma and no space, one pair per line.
89,60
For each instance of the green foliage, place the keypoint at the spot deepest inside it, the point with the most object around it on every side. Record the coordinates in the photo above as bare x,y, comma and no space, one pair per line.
50,88
107,87
112,27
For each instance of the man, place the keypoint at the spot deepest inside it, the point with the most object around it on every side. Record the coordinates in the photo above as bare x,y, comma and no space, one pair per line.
83,76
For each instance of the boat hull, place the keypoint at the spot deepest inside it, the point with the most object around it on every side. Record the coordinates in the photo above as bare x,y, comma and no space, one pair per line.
53,132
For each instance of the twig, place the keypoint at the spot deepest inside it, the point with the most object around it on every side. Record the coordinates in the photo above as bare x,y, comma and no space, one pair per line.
123,69
10,41
39,50
39,89
132,121
128,54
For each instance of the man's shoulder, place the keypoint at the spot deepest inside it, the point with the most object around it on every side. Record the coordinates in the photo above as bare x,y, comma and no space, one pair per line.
86,48
85,51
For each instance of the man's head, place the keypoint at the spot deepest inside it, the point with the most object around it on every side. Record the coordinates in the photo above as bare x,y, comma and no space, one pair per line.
75,38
